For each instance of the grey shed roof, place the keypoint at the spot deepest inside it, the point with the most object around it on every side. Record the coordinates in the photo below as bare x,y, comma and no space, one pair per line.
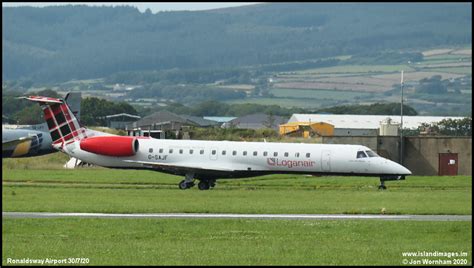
199,120
159,117
162,117
256,121
122,115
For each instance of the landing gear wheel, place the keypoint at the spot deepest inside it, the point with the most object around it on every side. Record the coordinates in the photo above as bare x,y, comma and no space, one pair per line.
204,185
183,185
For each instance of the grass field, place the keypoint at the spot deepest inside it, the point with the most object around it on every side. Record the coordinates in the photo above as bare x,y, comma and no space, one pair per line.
119,191
224,242
286,102
43,185
358,69
317,94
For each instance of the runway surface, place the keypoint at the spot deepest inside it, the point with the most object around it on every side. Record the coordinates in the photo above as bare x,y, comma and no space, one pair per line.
241,216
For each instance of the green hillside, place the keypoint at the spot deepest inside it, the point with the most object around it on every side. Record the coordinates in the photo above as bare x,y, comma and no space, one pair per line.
57,44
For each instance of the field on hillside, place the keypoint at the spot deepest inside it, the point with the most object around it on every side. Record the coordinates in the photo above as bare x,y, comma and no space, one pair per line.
357,84
449,64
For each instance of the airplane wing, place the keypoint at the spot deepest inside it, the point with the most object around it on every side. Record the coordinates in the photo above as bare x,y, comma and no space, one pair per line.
180,167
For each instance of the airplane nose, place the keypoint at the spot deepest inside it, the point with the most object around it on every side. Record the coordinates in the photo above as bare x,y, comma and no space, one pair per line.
399,169
406,170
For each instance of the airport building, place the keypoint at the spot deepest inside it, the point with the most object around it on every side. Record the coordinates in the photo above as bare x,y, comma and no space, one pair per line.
358,125
120,121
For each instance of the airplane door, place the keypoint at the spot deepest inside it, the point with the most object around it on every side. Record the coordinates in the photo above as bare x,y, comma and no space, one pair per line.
326,161
213,154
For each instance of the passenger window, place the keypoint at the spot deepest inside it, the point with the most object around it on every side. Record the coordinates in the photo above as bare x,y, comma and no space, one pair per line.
150,150
297,154
234,152
255,153
286,154
161,150
308,155
244,153
213,152
275,154
201,152
223,152
171,151
265,153
180,151
361,154
191,151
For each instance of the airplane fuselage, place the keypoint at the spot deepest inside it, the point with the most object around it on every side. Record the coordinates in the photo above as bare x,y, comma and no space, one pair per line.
37,143
228,159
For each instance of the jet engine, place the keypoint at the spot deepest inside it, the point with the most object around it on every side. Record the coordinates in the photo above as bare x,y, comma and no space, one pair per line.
110,145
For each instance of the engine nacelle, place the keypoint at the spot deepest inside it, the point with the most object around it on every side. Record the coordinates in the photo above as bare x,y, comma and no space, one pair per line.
110,145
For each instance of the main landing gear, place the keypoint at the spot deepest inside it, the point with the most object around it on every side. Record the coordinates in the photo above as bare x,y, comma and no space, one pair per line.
203,184
206,184
188,182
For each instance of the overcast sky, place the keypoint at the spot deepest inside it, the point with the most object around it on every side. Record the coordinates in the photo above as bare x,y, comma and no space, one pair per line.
154,7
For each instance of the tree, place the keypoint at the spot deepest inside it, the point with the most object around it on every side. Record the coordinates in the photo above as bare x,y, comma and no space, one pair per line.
432,85
448,127
93,110
376,108
30,115
455,127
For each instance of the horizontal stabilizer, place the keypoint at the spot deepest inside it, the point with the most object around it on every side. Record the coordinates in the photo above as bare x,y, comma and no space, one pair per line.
42,99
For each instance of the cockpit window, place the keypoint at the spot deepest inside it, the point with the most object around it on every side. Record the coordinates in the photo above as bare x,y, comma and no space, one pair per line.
361,154
371,154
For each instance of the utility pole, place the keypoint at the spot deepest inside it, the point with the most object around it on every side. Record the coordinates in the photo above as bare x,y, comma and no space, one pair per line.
401,123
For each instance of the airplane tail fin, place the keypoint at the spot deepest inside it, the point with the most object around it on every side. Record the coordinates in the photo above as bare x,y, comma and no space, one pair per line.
62,123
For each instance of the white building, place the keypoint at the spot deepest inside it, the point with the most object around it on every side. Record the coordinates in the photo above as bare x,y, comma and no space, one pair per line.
365,125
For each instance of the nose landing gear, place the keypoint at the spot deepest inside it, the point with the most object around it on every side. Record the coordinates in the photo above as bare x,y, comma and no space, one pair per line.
389,178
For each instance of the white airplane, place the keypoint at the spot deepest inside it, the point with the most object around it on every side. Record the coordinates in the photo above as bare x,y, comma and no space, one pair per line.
208,161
